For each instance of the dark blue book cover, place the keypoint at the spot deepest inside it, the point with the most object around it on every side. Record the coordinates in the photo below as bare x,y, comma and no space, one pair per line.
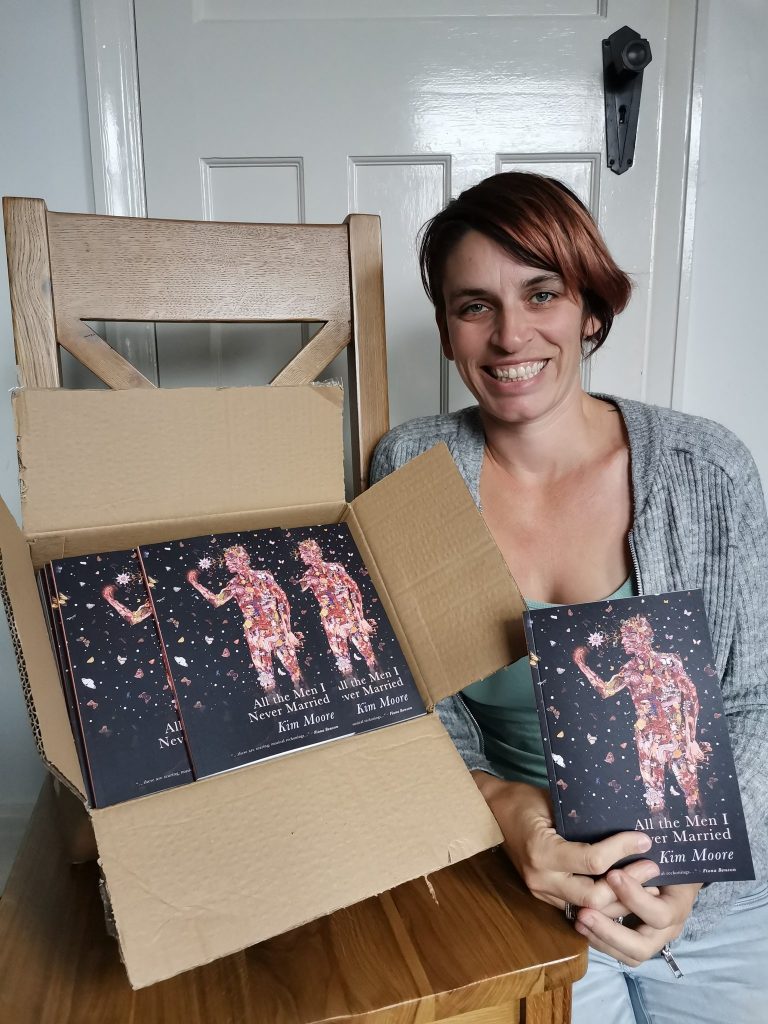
55,631
634,732
131,732
276,640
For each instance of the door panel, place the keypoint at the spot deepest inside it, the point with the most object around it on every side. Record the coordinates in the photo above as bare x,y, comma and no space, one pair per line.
298,110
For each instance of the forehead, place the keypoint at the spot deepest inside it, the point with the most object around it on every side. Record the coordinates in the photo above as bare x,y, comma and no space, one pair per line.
478,259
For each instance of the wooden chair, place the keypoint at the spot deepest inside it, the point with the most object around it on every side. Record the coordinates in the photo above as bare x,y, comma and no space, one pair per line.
68,269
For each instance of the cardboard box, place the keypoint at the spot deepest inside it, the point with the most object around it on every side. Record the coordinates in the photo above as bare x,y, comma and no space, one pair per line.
204,870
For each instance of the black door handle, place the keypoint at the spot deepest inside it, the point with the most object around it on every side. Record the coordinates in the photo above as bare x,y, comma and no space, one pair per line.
625,55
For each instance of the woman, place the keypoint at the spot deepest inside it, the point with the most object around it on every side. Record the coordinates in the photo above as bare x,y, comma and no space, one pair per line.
589,497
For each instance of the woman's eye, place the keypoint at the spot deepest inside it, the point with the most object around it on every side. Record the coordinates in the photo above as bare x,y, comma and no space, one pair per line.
541,298
474,307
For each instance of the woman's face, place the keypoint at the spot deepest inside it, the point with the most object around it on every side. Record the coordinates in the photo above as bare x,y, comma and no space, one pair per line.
513,331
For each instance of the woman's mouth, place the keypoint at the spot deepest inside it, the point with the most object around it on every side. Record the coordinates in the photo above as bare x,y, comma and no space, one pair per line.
520,371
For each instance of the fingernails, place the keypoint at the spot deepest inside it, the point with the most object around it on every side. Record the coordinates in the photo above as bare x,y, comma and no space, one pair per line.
644,843
586,920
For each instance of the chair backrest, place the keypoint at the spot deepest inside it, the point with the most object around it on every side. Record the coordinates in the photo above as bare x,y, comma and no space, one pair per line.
67,269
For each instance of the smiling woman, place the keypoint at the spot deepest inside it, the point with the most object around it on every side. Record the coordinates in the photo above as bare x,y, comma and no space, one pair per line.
591,497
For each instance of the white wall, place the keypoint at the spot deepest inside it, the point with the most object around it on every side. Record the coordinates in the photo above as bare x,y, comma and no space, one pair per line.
44,152
726,369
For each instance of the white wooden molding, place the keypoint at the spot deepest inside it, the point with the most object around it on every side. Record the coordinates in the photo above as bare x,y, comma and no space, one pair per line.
294,10
117,155
209,162
675,209
691,185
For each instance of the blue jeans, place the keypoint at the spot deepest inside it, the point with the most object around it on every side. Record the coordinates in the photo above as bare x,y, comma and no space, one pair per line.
725,978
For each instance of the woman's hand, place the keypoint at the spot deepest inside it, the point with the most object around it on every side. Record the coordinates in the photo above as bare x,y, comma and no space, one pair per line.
555,870
662,913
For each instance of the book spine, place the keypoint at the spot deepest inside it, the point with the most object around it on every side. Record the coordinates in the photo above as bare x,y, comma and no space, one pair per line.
67,676
533,660
47,589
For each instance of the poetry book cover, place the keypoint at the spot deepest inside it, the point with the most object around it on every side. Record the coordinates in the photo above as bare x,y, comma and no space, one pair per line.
634,732
129,726
276,640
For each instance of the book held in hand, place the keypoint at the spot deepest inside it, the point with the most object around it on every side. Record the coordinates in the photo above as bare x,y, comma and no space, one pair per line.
634,731
130,736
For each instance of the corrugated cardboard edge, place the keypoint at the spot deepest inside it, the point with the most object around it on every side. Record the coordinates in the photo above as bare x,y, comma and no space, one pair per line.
343,822
457,602
37,669
350,518
47,546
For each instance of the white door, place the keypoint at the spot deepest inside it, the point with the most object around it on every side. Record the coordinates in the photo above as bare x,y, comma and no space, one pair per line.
290,110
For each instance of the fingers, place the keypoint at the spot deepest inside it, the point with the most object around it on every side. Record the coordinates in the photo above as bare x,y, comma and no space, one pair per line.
624,944
653,910
662,919
599,894
668,909
597,858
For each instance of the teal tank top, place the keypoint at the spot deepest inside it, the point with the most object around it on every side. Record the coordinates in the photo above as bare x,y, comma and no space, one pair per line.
504,707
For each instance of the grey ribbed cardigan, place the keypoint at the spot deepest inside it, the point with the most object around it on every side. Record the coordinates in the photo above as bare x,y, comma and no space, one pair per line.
699,521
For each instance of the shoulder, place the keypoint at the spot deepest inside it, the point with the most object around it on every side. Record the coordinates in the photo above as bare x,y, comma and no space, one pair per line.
658,434
460,431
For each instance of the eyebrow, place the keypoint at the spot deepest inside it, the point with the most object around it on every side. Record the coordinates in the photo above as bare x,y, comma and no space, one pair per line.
542,279
530,282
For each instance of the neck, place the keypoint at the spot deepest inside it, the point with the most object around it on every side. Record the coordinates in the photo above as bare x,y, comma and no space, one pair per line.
551,447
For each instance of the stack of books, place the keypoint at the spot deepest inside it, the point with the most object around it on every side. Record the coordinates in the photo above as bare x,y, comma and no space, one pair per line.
192,657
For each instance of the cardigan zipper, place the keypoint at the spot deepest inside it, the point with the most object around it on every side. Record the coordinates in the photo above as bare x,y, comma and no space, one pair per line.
635,563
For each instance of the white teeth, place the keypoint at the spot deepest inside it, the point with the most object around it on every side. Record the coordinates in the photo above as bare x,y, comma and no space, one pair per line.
523,371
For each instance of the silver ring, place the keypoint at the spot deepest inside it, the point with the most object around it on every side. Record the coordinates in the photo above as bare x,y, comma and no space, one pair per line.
571,910
619,920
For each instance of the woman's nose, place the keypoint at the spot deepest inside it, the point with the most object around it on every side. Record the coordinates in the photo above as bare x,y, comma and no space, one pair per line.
513,328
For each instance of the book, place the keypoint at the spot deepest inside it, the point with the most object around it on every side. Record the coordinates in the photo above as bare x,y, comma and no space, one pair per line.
275,640
50,601
130,734
635,736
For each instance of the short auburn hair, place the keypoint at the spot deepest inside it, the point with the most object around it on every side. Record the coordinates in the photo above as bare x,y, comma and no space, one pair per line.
541,224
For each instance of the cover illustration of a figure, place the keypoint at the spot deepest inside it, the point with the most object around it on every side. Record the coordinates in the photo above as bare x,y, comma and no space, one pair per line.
341,607
667,709
266,614
130,728
268,641
635,733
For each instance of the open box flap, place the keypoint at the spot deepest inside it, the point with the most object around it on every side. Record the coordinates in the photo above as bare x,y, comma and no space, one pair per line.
97,458
201,871
447,585
37,667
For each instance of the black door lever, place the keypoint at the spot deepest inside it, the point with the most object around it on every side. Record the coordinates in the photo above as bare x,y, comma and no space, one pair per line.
625,55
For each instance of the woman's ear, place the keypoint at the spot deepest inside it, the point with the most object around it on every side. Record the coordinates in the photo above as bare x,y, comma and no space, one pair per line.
445,341
590,327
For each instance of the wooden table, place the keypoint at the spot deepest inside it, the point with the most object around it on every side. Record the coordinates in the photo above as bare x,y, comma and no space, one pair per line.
467,945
